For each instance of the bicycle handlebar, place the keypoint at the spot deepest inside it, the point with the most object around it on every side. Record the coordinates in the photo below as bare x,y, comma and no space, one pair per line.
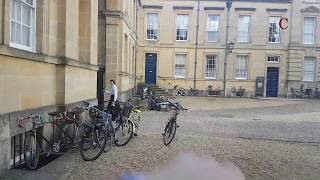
177,106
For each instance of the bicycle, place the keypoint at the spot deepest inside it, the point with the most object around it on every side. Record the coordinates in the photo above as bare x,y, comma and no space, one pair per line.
193,92
238,93
94,137
123,126
135,118
171,125
214,92
33,144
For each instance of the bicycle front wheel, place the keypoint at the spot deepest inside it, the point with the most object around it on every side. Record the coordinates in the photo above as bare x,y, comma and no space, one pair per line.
31,151
124,134
93,143
169,132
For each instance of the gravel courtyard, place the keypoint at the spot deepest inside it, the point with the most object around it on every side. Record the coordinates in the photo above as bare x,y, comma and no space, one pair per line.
266,139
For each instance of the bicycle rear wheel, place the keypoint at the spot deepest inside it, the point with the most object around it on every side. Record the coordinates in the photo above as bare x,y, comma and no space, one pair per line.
124,134
93,143
31,151
169,132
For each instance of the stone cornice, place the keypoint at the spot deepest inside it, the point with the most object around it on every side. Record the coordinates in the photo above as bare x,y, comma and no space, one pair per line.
213,8
152,7
17,53
310,9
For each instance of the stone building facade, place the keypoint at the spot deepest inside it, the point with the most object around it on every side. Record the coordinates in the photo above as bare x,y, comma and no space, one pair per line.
118,45
167,41
48,60
304,48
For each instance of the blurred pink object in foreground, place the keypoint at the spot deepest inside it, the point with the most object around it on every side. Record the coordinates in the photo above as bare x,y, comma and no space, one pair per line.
192,167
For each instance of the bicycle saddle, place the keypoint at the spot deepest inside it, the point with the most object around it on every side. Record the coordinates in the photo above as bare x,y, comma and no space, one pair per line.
54,114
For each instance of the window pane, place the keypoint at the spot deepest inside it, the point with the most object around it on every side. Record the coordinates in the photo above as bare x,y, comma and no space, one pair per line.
242,67
25,38
210,71
182,27
15,32
274,30
213,23
309,28
212,36
152,26
243,28
180,65
29,2
309,69
26,14
16,10
182,21
22,23
274,59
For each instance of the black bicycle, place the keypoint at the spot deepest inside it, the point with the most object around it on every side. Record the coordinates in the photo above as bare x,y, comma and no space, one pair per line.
120,127
34,142
171,126
93,136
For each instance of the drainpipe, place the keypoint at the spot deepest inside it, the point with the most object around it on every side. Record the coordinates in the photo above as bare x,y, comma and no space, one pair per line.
136,47
229,4
196,49
289,47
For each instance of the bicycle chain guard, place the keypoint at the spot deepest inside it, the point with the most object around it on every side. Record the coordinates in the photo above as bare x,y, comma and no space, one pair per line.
56,147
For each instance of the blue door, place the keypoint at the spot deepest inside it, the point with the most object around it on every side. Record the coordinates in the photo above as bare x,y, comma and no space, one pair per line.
272,81
151,68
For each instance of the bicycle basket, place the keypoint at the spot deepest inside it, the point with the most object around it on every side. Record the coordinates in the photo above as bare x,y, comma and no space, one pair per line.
126,111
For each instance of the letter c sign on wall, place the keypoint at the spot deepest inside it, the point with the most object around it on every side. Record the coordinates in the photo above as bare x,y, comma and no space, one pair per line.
283,23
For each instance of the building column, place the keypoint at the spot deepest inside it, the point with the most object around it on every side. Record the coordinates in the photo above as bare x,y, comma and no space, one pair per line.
72,26
94,32
84,30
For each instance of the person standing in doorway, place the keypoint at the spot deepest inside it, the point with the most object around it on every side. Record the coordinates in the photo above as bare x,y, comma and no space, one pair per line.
113,105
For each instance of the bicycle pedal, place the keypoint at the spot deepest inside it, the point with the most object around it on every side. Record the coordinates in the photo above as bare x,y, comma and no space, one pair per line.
135,134
178,126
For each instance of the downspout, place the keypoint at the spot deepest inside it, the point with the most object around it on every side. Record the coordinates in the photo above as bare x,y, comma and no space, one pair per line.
196,49
289,47
136,47
229,4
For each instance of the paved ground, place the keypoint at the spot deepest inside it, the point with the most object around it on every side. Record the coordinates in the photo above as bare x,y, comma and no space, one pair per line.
266,139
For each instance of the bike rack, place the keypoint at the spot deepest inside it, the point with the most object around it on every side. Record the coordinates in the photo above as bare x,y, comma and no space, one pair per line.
17,141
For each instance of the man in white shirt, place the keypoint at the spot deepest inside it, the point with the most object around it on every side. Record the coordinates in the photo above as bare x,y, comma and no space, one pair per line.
113,105
114,92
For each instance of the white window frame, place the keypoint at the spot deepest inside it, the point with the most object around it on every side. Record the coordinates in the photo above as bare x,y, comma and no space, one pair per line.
214,69
208,27
237,77
277,25
314,29
313,72
187,30
157,28
274,57
184,67
249,29
33,20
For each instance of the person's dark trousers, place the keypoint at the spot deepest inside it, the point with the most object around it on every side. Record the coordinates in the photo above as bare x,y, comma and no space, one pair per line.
114,110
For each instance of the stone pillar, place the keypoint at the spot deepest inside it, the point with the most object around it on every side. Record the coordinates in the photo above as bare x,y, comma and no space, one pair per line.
112,50
84,30
60,85
57,28
94,32
6,23
72,29
5,141
1,21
